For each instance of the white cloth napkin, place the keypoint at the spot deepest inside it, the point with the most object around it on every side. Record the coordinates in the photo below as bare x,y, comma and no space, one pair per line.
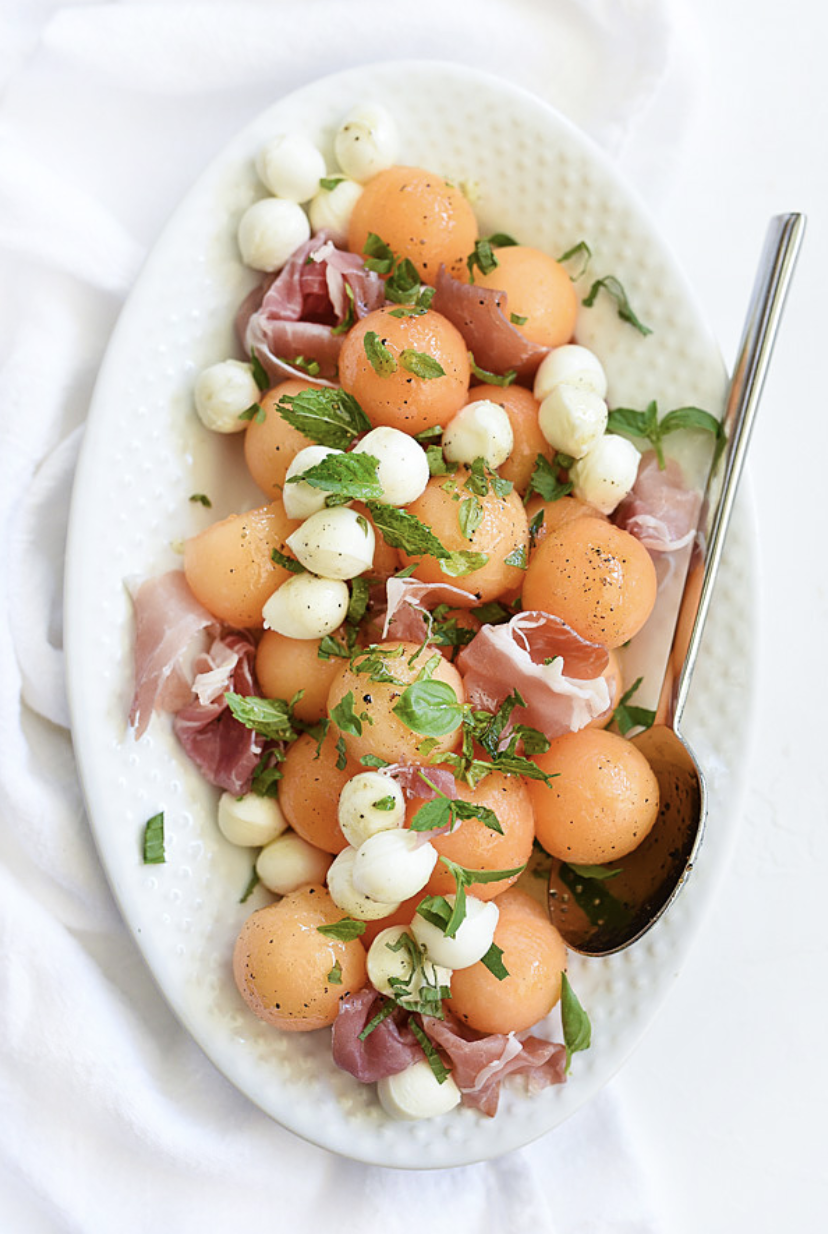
110,1116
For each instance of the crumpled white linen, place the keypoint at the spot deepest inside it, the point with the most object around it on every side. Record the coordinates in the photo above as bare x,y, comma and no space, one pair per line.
110,1116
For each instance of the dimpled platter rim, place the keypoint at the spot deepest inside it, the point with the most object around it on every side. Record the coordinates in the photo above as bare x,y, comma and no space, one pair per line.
533,174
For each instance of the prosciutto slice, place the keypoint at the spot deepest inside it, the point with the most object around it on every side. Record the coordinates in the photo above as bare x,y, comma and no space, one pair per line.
408,776
406,598
561,696
660,511
480,1063
482,317
387,1050
167,620
224,750
296,312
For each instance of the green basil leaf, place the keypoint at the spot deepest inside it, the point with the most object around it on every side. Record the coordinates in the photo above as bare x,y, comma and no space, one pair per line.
483,257
327,417
259,371
360,593
420,364
153,846
440,1070
501,240
403,285
437,465
461,562
493,959
345,718
335,975
344,930
470,515
581,250
576,1025
599,873
544,481
430,708
517,557
627,717
287,563
270,717
492,379
373,760
613,287
254,412
379,256
431,815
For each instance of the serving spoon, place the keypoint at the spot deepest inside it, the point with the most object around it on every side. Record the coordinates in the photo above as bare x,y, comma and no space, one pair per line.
601,915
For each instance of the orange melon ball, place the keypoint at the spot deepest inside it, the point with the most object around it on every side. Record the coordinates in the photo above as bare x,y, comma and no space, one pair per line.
557,514
309,789
535,958
289,974
521,407
383,732
502,532
602,802
286,665
478,847
229,566
599,579
612,676
419,216
271,445
385,386
539,289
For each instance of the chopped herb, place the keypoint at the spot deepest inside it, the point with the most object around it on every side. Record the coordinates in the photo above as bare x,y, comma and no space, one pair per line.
379,357
287,563
626,717
483,257
328,417
492,614
429,434
517,557
379,256
612,286
335,975
403,284
344,930
470,515
462,562
599,873
385,804
493,959
576,1026
373,760
154,840
517,320
360,591
545,481
341,754
350,317
311,367
259,371
435,1062
535,526
201,499
329,183
501,240
383,1014
464,878
252,884
581,250
346,719
270,717
266,776
331,648
420,364
405,531
492,379
254,412
437,465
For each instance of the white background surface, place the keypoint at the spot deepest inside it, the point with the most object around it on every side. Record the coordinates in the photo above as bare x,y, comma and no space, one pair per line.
734,1119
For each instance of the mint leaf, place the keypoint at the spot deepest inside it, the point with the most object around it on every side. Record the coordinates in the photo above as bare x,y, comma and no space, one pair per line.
328,417
378,255
492,379
154,840
379,357
403,530
544,481
344,930
270,717
352,476
420,364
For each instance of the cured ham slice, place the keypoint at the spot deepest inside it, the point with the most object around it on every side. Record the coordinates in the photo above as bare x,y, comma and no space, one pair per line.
482,317
167,620
224,750
388,1049
660,511
556,672
409,776
481,1062
296,313
406,598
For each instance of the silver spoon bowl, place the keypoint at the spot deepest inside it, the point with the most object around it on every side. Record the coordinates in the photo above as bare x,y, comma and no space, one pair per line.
599,916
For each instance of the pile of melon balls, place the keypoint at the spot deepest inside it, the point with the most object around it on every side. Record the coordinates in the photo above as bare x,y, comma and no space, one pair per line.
335,842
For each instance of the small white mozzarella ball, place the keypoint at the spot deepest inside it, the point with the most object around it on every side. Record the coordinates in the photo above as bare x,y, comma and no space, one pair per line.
222,392
387,960
307,607
270,231
393,865
572,419
369,803
289,862
605,475
576,365
367,142
403,468
250,821
417,1093
473,939
331,210
291,166
336,543
340,880
479,430
302,500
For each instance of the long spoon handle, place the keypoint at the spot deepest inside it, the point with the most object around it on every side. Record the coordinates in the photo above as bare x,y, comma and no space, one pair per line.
782,243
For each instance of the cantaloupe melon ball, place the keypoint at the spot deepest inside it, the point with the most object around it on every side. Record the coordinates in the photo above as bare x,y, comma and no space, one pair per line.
289,974
270,443
539,289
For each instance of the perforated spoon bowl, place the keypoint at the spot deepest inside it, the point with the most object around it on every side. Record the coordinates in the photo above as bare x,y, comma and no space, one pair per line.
602,916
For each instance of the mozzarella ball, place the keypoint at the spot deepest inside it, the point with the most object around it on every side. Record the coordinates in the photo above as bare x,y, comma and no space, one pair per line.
403,464
607,473
222,392
572,419
369,803
291,166
331,210
387,960
270,231
250,821
340,880
479,430
393,865
367,142
473,939
336,543
302,499
416,1093
307,607
289,862
576,365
